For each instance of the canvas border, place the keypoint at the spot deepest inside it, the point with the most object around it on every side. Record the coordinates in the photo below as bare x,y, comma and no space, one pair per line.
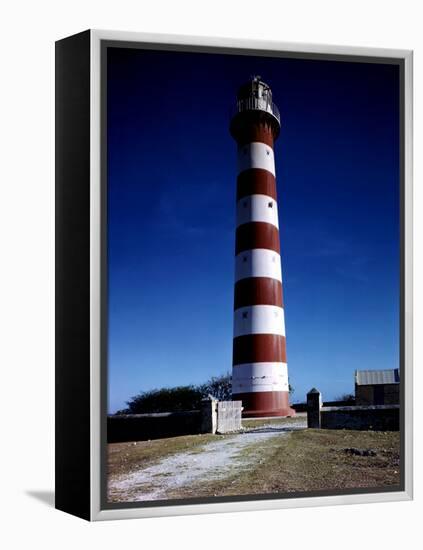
72,275
98,285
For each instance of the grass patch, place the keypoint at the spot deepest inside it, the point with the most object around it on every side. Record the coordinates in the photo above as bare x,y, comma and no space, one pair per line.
310,460
259,422
124,458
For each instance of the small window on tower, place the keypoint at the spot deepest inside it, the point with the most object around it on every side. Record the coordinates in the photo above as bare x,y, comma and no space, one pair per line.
267,152
245,314
270,204
244,204
244,259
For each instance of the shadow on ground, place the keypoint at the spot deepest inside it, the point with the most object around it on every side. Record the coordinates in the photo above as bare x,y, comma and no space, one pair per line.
46,497
271,429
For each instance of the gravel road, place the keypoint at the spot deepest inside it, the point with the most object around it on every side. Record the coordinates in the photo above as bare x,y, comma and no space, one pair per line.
215,460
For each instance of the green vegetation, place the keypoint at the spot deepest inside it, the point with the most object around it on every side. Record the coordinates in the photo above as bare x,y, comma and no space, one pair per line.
180,398
311,460
124,458
304,460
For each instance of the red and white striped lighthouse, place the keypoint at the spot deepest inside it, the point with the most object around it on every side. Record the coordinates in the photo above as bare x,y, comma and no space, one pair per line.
260,372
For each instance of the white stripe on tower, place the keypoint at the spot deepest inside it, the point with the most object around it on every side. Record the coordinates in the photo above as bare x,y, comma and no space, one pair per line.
256,155
255,377
257,208
259,262
259,320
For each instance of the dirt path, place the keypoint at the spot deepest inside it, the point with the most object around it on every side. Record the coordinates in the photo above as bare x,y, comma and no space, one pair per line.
214,461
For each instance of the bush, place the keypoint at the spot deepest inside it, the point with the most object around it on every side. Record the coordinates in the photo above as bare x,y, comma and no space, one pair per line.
346,397
180,398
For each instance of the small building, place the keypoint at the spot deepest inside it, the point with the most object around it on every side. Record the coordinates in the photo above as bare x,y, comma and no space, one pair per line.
377,387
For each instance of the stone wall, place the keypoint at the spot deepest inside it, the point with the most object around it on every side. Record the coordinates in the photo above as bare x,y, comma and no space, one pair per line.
372,417
214,416
302,407
140,427
382,418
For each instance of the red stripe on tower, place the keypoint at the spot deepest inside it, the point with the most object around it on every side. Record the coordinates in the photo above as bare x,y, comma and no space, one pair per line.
259,372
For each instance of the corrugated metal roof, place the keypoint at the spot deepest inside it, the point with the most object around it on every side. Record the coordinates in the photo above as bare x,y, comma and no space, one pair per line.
370,377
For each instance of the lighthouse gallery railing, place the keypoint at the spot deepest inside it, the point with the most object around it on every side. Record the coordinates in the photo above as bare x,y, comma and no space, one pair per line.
258,104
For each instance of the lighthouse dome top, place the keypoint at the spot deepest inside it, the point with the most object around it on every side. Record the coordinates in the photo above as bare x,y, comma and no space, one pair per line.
255,96
255,87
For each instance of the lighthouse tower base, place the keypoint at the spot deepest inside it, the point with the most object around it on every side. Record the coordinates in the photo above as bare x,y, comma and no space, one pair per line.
263,404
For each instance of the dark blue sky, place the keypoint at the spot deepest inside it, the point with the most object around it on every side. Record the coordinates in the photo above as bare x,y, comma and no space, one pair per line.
171,217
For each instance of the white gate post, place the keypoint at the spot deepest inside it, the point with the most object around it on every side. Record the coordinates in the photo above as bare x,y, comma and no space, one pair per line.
208,415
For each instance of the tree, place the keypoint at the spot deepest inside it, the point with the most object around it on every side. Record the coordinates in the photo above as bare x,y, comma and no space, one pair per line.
348,397
219,387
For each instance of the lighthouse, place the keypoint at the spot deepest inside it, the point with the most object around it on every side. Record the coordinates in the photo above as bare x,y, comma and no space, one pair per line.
259,372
